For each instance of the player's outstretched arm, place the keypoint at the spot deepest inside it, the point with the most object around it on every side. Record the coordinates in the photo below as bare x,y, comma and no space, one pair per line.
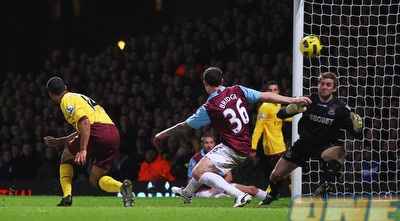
176,129
276,98
56,142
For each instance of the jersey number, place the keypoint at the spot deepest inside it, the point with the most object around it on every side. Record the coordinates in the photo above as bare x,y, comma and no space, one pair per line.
91,102
233,118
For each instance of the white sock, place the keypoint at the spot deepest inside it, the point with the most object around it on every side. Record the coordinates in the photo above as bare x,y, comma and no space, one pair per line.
192,186
219,183
261,193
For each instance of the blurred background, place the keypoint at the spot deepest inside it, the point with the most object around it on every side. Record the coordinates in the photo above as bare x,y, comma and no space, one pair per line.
31,29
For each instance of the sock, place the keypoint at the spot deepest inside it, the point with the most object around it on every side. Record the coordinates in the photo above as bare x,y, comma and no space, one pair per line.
331,171
219,183
268,190
261,193
275,187
192,186
110,185
66,174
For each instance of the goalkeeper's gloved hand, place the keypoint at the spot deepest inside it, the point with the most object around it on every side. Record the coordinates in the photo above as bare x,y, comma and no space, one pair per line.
357,122
295,108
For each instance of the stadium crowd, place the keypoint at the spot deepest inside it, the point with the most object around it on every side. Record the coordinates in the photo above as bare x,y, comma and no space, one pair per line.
153,83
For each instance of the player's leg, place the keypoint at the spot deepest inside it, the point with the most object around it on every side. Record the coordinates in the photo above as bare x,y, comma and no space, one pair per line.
104,158
66,175
252,190
214,165
281,170
333,159
98,178
273,160
207,173
204,166
333,153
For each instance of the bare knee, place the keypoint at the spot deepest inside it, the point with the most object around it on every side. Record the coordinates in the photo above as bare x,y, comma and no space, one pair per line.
253,190
334,153
276,176
197,174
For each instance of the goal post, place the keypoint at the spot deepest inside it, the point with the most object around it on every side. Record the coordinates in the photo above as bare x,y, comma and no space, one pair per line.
361,43
297,83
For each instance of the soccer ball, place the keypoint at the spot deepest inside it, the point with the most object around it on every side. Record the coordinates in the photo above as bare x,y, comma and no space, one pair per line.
310,46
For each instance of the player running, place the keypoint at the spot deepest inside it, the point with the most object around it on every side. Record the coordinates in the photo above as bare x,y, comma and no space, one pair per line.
226,111
96,137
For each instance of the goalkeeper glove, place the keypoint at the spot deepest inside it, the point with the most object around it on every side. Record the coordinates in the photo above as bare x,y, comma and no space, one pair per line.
295,108
357,121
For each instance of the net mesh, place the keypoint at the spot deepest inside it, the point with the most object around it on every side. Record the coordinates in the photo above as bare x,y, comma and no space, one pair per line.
361,43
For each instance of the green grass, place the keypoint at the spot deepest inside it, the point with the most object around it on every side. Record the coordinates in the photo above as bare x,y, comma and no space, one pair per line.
88,208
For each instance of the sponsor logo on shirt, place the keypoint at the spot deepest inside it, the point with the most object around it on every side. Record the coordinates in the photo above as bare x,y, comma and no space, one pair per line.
70,109
319,119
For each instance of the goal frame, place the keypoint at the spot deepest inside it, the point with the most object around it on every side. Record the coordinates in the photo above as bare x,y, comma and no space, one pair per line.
297,83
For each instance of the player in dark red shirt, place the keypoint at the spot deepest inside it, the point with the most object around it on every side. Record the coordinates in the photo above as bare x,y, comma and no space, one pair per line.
226,111
320,131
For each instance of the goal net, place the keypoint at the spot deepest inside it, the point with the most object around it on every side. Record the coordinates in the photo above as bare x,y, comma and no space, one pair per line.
361,43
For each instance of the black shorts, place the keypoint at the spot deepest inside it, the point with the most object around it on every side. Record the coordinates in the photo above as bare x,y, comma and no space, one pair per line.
302,151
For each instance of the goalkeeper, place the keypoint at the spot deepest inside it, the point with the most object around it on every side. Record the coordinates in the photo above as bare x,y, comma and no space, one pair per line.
320,130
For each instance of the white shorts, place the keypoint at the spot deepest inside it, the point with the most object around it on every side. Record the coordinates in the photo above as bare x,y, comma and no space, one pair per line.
224,158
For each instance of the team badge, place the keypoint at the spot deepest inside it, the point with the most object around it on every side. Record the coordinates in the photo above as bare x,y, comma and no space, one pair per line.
262,116
70,109
331,111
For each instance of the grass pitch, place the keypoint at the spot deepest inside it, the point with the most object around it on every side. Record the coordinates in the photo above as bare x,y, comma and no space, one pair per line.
89,208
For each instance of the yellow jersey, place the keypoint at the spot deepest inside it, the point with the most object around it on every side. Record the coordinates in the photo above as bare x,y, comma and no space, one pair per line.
270,126
75,106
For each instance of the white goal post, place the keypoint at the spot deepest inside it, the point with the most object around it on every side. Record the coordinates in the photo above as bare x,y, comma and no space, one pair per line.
297,82
361,43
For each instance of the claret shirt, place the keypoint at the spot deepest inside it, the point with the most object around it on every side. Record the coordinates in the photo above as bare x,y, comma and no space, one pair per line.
226,111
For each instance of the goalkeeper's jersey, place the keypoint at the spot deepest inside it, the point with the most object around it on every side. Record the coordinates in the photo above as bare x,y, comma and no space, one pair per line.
75,106
322,122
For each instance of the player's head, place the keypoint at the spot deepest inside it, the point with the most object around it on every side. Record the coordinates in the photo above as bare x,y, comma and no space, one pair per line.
329,75
213,76
151,154
207,142
327,84
273,86
55,86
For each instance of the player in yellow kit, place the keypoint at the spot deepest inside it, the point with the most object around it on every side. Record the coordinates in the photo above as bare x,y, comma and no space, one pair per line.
270,127
96,137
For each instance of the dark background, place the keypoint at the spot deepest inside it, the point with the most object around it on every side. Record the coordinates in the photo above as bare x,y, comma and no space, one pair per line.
30,29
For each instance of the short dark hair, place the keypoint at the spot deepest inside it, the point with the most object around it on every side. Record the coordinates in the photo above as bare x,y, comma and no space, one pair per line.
272,82
213,76
55,86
